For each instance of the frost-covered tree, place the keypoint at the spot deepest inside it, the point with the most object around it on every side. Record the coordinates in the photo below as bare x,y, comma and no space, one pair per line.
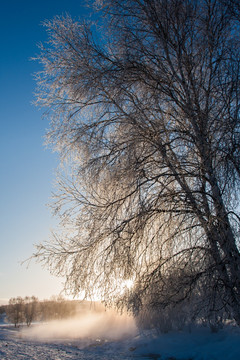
30,309
15,310
144,109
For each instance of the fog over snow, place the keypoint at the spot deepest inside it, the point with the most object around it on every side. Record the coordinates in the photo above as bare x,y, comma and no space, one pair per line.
107,325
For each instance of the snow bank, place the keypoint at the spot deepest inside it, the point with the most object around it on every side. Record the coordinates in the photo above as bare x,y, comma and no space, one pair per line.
201,344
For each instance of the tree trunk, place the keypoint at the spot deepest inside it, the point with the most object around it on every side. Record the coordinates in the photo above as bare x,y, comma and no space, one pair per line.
225,252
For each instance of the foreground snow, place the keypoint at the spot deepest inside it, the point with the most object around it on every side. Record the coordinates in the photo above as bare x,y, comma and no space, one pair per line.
14,346
200,344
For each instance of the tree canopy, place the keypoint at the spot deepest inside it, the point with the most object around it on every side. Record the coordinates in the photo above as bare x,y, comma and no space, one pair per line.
144,109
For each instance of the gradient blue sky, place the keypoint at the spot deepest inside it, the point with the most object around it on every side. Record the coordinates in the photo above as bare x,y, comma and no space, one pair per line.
27,168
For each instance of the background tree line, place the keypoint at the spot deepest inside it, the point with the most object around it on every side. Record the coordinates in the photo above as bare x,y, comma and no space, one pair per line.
29,309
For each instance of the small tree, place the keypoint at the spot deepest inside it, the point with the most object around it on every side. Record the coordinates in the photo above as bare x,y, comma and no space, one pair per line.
30,309
15,311
146,116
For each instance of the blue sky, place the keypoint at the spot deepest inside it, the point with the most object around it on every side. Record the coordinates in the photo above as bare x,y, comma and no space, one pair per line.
27,167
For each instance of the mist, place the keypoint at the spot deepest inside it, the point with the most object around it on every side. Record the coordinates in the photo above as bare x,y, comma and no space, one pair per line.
108,325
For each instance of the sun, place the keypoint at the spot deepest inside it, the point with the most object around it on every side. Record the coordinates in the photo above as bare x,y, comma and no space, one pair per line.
126,285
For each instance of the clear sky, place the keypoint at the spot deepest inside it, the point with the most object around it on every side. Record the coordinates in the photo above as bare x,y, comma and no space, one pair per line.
27,167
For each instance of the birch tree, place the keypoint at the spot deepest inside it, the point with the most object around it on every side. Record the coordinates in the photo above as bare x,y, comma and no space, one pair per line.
144,112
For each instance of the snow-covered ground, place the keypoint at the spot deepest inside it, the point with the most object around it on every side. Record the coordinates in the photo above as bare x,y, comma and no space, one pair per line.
199,344
14,346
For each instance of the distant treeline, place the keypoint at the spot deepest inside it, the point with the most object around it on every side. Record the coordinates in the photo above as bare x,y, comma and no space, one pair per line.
26,310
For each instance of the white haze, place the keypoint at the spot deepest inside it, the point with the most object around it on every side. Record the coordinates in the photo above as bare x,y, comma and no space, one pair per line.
89,325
